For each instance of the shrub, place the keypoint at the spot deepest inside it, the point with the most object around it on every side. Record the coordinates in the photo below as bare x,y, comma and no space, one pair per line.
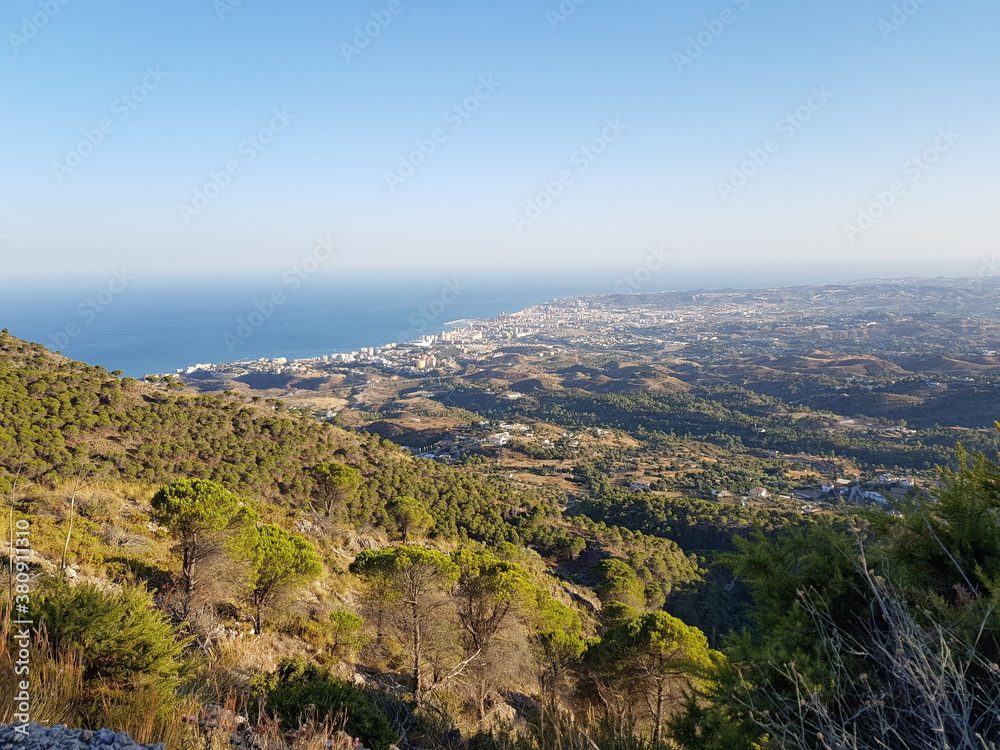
115,634
107,658
295,685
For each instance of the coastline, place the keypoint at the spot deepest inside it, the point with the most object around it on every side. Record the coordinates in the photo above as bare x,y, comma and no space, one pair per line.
582,312
156,327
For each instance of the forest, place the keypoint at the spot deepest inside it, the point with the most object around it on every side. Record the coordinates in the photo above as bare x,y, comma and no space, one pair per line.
214,571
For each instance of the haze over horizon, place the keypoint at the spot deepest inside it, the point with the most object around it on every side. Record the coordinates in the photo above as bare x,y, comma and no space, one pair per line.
223,138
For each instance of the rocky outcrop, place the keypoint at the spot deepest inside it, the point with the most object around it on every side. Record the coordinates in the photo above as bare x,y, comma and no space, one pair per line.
35,736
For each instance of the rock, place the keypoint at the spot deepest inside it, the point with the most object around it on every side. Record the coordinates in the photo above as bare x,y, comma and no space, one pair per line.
106,737
60,737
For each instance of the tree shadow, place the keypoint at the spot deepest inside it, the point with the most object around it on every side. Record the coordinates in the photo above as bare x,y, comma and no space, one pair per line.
128,568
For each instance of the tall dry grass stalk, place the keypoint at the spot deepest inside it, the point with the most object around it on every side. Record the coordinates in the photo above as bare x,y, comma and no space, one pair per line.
59,694
55,680
556,729
925,689
220,727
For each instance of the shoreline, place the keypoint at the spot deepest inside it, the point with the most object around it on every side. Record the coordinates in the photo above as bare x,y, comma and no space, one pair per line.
498,328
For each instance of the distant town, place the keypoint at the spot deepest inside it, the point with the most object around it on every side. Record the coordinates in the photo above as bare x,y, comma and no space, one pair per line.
841,393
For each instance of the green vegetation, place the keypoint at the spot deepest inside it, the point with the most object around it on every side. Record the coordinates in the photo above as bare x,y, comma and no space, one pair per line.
63,420
200,514
410,516
237,558
277,562
952,545
99,658
858,635
637,663
297,687
116,636
346,635
406,593
336,485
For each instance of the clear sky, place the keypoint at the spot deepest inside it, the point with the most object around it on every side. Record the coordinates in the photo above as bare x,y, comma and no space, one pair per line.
201,137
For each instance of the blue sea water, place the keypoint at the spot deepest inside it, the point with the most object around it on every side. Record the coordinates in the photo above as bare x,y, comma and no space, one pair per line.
155,325
160,325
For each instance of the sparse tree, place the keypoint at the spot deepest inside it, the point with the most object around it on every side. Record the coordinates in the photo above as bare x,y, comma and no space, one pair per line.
346,633
417,580
201,515
642,663
336,485
278,562
619,583
559,645
410,515
493,598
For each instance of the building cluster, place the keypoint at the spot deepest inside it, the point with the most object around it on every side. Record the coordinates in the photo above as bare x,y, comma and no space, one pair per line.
577,321
468,339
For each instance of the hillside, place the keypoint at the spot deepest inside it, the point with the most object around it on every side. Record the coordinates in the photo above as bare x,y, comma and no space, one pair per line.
263,557
83,454
65,420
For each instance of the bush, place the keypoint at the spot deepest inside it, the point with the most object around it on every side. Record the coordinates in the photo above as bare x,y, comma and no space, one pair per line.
295,685
115,634
107,658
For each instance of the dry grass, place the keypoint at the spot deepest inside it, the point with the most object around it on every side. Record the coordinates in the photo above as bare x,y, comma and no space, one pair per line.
561,730
221,727
60,696
921,692
55,680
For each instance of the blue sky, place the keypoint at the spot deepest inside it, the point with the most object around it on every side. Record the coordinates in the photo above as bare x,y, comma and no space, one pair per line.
732,132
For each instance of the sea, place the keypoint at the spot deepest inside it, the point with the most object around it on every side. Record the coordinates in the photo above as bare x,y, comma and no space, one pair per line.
145,325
